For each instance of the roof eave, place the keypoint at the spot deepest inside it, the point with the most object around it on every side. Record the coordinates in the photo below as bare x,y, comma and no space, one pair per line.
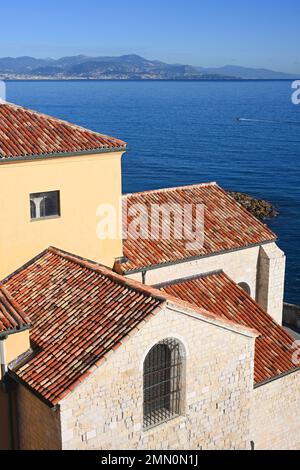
194,258
12,331
277,377
211,318
5,160
58,399
38,395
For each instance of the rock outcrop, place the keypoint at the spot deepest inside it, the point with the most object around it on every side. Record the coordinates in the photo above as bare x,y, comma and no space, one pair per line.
258,207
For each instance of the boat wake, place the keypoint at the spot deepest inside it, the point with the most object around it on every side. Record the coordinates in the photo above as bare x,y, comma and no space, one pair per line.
266,121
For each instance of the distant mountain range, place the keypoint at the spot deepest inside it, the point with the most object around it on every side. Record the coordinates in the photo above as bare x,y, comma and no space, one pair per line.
249,73
126,67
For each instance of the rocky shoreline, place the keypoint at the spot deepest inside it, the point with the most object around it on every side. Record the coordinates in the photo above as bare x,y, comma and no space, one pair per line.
258,207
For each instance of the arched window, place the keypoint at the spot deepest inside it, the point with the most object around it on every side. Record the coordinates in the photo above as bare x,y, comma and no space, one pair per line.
245,287
162,382
48,207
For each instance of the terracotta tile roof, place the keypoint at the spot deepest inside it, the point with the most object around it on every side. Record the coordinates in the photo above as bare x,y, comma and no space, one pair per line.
228,226
80,312
11,315
24,133
219,294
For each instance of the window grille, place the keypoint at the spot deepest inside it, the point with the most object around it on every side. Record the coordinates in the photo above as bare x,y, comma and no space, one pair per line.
162,383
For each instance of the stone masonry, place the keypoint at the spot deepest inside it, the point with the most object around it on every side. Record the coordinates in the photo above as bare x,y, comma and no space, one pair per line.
106,411
261,268
271,276
38,424
220,408
275,416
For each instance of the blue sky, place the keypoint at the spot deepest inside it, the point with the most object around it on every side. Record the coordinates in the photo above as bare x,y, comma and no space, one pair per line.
256,33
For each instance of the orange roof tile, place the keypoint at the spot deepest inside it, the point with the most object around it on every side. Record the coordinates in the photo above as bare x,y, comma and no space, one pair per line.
80,311
227,226
26,133
11,316
218,293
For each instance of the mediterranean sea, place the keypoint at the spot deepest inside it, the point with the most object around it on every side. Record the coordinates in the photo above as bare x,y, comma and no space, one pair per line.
187,132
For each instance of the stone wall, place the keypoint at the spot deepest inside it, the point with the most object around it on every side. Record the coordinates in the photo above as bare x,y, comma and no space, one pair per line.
106,410
39,425
271,277
220,408
275,418
261,268
240,265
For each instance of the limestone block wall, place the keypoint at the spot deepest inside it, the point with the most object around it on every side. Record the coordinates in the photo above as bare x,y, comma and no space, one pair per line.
240,265
39,425
106,410
271,277
261,268
275,417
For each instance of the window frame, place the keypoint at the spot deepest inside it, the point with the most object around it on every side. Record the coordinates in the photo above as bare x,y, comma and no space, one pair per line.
42,196
170,378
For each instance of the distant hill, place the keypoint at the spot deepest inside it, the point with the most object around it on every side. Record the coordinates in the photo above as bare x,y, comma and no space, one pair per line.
126,67
248,73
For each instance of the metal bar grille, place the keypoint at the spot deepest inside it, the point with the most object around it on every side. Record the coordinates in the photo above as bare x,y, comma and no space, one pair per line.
162,383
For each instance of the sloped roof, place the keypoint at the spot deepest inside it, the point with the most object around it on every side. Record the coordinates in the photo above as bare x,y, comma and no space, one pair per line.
81,311
12,318
27,133
227,226
218,293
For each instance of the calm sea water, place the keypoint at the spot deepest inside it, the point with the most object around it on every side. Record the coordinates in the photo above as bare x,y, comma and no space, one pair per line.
186,132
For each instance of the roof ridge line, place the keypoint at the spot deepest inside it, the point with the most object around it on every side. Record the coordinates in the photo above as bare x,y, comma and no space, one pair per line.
105,271
136,285
211,316
173,188
144,289
194,277
62,121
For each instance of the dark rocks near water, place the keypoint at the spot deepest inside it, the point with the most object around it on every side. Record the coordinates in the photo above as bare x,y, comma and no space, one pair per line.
258,207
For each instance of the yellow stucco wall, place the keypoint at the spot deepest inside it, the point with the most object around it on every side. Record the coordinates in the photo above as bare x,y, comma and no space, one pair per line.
84,183
16,344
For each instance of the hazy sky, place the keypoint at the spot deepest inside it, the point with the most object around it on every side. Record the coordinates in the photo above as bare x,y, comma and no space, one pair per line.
256,33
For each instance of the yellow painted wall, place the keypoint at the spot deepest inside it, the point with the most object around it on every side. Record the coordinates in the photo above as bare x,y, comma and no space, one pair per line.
16,344
84,182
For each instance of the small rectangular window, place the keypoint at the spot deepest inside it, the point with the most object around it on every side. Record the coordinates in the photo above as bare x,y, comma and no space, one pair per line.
43,205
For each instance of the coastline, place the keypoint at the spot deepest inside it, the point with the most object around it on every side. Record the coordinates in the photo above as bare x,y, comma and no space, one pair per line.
186,80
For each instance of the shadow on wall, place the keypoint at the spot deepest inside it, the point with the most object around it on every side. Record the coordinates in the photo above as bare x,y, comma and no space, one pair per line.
291,316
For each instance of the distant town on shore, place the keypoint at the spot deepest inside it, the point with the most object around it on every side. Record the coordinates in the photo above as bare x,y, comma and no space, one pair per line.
126,67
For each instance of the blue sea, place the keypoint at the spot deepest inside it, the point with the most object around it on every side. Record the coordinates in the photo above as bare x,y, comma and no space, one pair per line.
187,132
